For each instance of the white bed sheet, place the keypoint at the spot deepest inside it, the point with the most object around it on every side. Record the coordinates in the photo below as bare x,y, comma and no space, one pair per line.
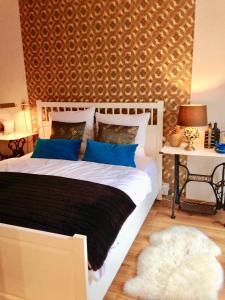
149,166
135,182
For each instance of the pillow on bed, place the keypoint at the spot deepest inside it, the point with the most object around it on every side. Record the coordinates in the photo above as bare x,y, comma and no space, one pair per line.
140,120
86,115
113,154
116,134
57,149
68,131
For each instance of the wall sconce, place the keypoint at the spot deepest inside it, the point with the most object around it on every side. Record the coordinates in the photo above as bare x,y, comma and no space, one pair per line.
25,107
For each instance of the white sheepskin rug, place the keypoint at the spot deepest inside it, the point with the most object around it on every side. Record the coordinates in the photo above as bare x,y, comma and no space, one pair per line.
179,264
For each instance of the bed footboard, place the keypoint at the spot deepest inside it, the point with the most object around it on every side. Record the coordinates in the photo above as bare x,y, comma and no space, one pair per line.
38,265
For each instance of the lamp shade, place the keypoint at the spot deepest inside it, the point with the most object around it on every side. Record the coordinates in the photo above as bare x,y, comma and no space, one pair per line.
193,115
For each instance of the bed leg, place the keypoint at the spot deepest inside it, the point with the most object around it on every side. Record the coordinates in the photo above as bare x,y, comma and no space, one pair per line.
80,267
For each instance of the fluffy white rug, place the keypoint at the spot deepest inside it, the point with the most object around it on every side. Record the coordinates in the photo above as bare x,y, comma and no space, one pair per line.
179,264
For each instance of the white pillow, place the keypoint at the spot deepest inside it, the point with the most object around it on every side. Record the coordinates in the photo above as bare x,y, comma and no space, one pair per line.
86,115
140,120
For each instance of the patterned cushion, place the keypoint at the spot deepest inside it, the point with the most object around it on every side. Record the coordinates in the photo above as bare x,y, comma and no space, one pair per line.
68,131
116,134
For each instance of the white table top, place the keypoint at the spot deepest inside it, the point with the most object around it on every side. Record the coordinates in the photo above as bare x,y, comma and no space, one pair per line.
199,151
16,136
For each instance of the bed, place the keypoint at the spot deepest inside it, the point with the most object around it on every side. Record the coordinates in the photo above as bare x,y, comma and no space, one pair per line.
42,265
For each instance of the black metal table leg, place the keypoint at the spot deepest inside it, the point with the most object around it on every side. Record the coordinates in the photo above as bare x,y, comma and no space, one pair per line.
16,146
219,187
222,187
176,199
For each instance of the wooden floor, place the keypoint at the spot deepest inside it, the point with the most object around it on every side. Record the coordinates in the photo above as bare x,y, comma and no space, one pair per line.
158,219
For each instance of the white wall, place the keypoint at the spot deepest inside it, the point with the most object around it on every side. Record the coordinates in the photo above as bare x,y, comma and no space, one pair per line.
208,79
13,86
12,71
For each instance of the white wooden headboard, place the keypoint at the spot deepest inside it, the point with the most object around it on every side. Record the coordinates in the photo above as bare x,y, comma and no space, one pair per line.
154,135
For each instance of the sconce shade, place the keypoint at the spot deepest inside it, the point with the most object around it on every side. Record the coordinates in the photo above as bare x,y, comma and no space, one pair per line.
192,115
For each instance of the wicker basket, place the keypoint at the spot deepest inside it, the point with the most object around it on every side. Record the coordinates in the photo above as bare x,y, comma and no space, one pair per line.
198,207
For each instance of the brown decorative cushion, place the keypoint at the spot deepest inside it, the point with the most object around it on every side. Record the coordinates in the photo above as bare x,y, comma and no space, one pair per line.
116,134
67,131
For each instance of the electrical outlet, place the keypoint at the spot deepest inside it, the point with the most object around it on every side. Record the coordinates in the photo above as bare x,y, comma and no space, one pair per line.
165,188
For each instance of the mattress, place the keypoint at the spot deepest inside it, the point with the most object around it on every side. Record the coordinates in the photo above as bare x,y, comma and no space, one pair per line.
135,182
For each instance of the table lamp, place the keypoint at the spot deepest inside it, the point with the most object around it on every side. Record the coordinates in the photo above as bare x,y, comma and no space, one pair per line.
192,116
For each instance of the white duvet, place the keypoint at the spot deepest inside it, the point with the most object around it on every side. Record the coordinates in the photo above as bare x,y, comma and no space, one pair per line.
134,182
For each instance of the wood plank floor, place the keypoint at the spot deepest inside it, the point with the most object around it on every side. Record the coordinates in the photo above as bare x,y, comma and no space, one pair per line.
158,219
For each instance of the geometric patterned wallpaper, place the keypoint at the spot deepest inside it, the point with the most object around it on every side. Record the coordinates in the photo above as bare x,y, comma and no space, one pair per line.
110,51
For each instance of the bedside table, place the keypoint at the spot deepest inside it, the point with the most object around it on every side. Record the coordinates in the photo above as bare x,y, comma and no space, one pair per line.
16,142
218,188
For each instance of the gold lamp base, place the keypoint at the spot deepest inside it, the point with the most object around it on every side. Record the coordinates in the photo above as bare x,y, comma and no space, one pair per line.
190,146
191,134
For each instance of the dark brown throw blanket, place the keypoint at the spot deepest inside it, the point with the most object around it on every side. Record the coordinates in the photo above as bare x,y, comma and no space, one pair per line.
65,206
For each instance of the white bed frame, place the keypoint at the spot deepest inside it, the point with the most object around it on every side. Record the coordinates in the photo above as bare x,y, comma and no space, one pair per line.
39,265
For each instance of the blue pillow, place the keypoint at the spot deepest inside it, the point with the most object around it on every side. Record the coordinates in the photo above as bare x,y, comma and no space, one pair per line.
113,154
57,149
